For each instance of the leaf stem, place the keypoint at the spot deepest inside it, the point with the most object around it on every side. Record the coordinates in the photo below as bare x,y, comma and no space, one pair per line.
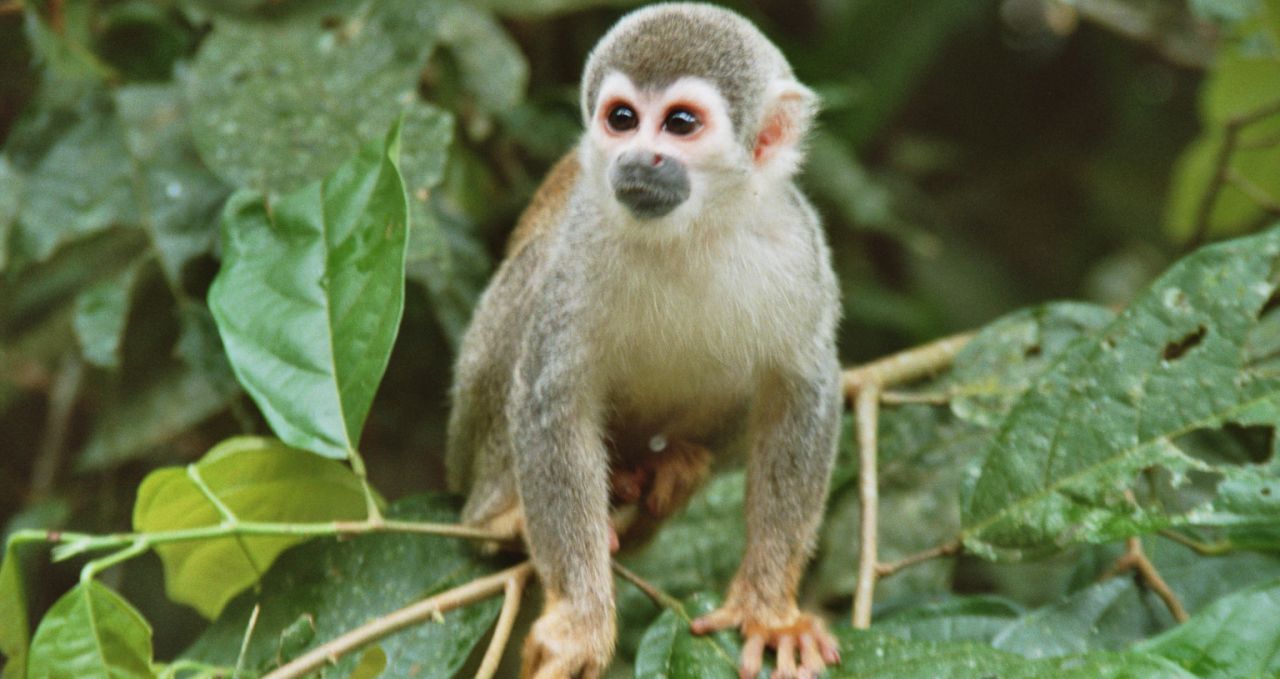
248,636
74,544
329,652
137,547
885,569
1134,559
1202,548
370,501
228,516
659,597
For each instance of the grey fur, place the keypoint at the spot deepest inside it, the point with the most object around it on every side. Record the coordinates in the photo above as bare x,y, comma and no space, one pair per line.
652,47
556,372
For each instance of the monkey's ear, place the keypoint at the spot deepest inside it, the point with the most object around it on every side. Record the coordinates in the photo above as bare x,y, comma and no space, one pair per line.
788,113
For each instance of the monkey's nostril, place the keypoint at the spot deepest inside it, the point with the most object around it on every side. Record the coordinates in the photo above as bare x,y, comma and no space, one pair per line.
657,159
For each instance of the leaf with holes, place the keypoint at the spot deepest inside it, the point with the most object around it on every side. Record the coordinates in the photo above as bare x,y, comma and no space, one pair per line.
1064,466
310,295
258,479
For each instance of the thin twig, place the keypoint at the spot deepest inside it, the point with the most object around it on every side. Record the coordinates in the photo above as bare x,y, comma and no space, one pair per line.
11,7
1254,192
867,404
412,614
1221,166
895,398
885,569
1134,559
659,597
905,366
1202,548
62,400
248,636
513,592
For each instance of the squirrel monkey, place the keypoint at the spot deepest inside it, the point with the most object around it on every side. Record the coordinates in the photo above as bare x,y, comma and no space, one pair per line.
667,295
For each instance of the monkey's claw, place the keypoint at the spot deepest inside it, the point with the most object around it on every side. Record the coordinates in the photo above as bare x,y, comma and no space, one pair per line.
802,649
564,645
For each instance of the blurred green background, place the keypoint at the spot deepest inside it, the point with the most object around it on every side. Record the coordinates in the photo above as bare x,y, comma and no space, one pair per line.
973,157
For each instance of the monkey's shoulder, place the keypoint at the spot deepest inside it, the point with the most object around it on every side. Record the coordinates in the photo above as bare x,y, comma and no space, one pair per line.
548,203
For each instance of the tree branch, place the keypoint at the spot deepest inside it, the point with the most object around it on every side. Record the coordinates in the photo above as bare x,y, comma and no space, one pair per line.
513,591
867,405
412,614
662,599
885,569
905,366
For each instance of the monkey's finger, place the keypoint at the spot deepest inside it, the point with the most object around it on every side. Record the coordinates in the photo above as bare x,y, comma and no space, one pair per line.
827,646
752,658
714,621
614,543
786,655
810,656
531,658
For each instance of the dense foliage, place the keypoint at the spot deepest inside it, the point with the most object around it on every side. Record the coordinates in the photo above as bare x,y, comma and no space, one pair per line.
239,241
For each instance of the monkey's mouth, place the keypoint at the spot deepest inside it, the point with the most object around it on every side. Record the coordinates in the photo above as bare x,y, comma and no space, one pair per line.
647,201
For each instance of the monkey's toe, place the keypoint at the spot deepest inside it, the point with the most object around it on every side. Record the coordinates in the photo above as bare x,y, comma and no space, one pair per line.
802,649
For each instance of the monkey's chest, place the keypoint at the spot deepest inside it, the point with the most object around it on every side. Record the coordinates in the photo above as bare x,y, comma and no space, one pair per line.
686,343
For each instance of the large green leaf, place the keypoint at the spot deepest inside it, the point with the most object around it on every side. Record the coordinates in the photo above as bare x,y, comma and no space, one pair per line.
972,618
310,295
1112,405
101,312
178,198
1237,636
78,180
91,633
15,634
258,479
148,415
340,585
671,651
1001,362
278,103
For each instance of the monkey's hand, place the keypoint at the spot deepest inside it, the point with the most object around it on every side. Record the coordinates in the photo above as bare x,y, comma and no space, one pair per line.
568,642
661,483
794,636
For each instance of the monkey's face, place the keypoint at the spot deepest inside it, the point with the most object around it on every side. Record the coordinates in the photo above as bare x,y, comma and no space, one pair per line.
663,152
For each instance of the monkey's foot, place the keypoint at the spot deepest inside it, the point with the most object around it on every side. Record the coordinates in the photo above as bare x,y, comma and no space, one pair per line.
565,645
803,648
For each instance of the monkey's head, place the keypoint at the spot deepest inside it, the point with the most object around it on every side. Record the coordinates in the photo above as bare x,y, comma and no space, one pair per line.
685,106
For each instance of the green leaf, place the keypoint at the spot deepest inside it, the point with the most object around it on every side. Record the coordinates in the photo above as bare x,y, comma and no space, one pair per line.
670,651
971,618
310,295
1237,636
870,654
1001,362
1113,405
15,631
258,480
344,584
78,178
10,201
101,312
276,104
149,415
178,198
531,8
91,632
1240,83
491,65
1067,627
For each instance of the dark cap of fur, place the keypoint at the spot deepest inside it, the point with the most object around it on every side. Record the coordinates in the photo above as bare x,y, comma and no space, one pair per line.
657,45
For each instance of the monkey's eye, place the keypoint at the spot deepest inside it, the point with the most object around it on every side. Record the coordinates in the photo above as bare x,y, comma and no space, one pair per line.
681,122
623,118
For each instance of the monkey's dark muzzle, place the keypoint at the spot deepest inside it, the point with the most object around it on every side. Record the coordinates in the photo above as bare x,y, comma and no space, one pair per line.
650,186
